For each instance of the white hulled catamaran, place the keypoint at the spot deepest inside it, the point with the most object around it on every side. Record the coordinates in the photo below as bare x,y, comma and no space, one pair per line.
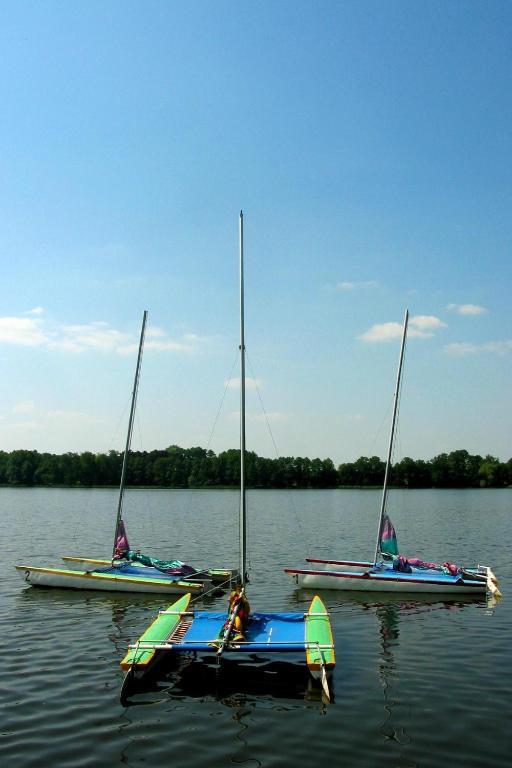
126,570
389,571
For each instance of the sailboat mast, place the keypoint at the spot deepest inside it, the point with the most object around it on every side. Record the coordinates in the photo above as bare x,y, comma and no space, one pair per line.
130,428
243,537
392,435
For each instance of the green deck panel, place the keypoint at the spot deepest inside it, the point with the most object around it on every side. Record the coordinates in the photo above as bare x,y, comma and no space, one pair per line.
157,632
318,630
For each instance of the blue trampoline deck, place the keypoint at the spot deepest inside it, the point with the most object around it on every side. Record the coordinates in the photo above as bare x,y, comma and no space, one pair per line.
145,571
425,575
269,632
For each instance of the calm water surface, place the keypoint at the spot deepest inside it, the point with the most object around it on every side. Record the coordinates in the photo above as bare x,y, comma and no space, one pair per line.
417,682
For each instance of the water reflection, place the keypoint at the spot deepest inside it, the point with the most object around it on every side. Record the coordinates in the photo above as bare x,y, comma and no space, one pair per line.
253,682
390,610
388,618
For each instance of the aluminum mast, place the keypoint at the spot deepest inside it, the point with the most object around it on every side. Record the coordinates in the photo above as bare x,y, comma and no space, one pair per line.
391,436
243,536
130,429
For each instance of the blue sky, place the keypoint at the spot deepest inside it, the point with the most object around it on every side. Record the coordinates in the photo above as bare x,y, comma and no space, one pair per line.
369,144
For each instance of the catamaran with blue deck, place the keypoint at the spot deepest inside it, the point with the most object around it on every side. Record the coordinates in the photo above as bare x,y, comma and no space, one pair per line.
126,570
238,634
389,571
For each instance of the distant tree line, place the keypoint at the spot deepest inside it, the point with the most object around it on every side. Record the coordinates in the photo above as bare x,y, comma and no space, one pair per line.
177,467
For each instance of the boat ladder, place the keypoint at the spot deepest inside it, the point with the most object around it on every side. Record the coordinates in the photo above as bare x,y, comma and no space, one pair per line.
180,631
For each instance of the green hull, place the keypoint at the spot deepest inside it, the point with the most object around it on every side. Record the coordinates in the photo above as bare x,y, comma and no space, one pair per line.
319,639
158,632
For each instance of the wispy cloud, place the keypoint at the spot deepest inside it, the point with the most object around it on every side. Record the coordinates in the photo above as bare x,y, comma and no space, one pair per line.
27,406
467,309
420,327
465,349
249,383
22,331
353,286
35,311
355,417
47,420
97,335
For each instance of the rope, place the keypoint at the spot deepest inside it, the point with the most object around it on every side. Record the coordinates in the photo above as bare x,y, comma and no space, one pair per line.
85,511
222,400
290,497
188,506
214,588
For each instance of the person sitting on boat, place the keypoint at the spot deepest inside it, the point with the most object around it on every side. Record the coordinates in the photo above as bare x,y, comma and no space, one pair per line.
238,600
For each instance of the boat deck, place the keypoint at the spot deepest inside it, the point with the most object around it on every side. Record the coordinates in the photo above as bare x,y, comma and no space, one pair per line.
384,577
265,632
178,630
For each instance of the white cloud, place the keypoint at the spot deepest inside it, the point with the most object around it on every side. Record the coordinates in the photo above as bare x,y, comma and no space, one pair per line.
464,349
467,309
189,342
420,327
35,311
59,419
27,406
426,323
382,332
351,286
154,332
97,335
21,331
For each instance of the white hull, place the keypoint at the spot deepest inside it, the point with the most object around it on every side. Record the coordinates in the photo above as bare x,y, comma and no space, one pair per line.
53,577
85,563
373,583
345,566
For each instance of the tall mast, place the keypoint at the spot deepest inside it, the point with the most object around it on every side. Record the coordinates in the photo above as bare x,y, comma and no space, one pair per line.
130,428
243,537
392,435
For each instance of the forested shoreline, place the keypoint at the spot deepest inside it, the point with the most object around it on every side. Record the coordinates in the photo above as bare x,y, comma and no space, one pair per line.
177,467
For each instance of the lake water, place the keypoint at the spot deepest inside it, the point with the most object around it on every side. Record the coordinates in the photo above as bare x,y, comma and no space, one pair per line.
417,682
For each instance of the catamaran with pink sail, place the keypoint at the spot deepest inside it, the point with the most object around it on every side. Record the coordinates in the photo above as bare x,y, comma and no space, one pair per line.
390,571
127,570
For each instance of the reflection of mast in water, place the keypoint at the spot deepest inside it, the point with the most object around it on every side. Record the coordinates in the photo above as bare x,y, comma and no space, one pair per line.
388,616
116,636
241,757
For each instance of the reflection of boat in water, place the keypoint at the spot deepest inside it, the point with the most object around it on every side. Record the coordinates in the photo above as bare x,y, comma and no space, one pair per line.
389,571
399,604
258,680
369,600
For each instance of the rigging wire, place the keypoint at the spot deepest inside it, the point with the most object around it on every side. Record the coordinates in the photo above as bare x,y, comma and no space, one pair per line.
86,509
186,508
215,588
290,496
398,430
222,400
